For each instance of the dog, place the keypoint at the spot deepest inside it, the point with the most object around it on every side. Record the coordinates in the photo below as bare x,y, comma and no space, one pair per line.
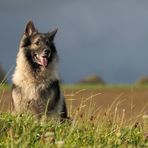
35,82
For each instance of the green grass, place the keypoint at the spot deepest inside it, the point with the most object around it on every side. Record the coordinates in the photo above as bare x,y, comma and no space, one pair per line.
104,130
106,86
4,86
26,131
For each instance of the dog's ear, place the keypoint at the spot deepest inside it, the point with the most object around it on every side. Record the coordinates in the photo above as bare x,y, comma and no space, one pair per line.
52,34
30,28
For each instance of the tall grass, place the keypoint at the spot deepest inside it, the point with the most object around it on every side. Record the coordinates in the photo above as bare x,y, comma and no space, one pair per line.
25,131
87,128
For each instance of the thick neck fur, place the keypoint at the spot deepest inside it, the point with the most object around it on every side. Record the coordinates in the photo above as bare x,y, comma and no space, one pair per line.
25,75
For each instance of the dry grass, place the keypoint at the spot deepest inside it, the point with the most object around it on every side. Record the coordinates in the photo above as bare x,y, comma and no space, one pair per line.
100,118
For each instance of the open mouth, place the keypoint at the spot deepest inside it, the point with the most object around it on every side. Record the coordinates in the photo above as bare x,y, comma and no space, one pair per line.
41,59
44,61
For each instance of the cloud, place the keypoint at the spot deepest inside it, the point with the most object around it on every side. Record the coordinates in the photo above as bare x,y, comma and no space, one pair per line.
105,37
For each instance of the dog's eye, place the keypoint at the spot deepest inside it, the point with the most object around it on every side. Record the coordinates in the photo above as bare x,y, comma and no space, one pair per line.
35,54
47,41
37,42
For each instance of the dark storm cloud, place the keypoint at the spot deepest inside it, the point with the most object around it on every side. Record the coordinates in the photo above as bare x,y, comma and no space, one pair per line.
105,37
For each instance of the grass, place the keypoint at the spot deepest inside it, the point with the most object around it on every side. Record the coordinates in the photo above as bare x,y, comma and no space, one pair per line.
86,129
105,86
5,87
89,86
25,131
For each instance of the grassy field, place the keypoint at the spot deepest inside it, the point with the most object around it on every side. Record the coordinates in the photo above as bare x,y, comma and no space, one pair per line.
102,131
101,116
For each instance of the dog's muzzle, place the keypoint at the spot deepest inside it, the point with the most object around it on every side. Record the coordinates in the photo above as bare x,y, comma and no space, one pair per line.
44,57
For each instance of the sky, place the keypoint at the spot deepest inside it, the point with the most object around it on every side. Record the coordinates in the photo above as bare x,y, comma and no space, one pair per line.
104,37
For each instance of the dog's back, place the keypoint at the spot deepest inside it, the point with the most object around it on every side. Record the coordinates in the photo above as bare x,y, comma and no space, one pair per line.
36,85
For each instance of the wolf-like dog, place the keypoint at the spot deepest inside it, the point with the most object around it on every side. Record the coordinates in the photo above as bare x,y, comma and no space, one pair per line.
36,83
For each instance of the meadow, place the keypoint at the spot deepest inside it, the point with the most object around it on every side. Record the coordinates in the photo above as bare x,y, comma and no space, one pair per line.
109,116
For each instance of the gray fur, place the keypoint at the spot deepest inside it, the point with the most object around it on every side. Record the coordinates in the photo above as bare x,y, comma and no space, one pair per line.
37,90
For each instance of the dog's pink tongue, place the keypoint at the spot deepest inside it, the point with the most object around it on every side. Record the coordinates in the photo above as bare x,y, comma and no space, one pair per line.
44,61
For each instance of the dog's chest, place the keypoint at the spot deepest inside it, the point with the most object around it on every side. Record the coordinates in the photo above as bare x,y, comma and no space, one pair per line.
36,92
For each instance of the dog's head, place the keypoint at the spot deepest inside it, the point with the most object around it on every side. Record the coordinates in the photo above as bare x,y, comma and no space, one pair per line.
38,47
